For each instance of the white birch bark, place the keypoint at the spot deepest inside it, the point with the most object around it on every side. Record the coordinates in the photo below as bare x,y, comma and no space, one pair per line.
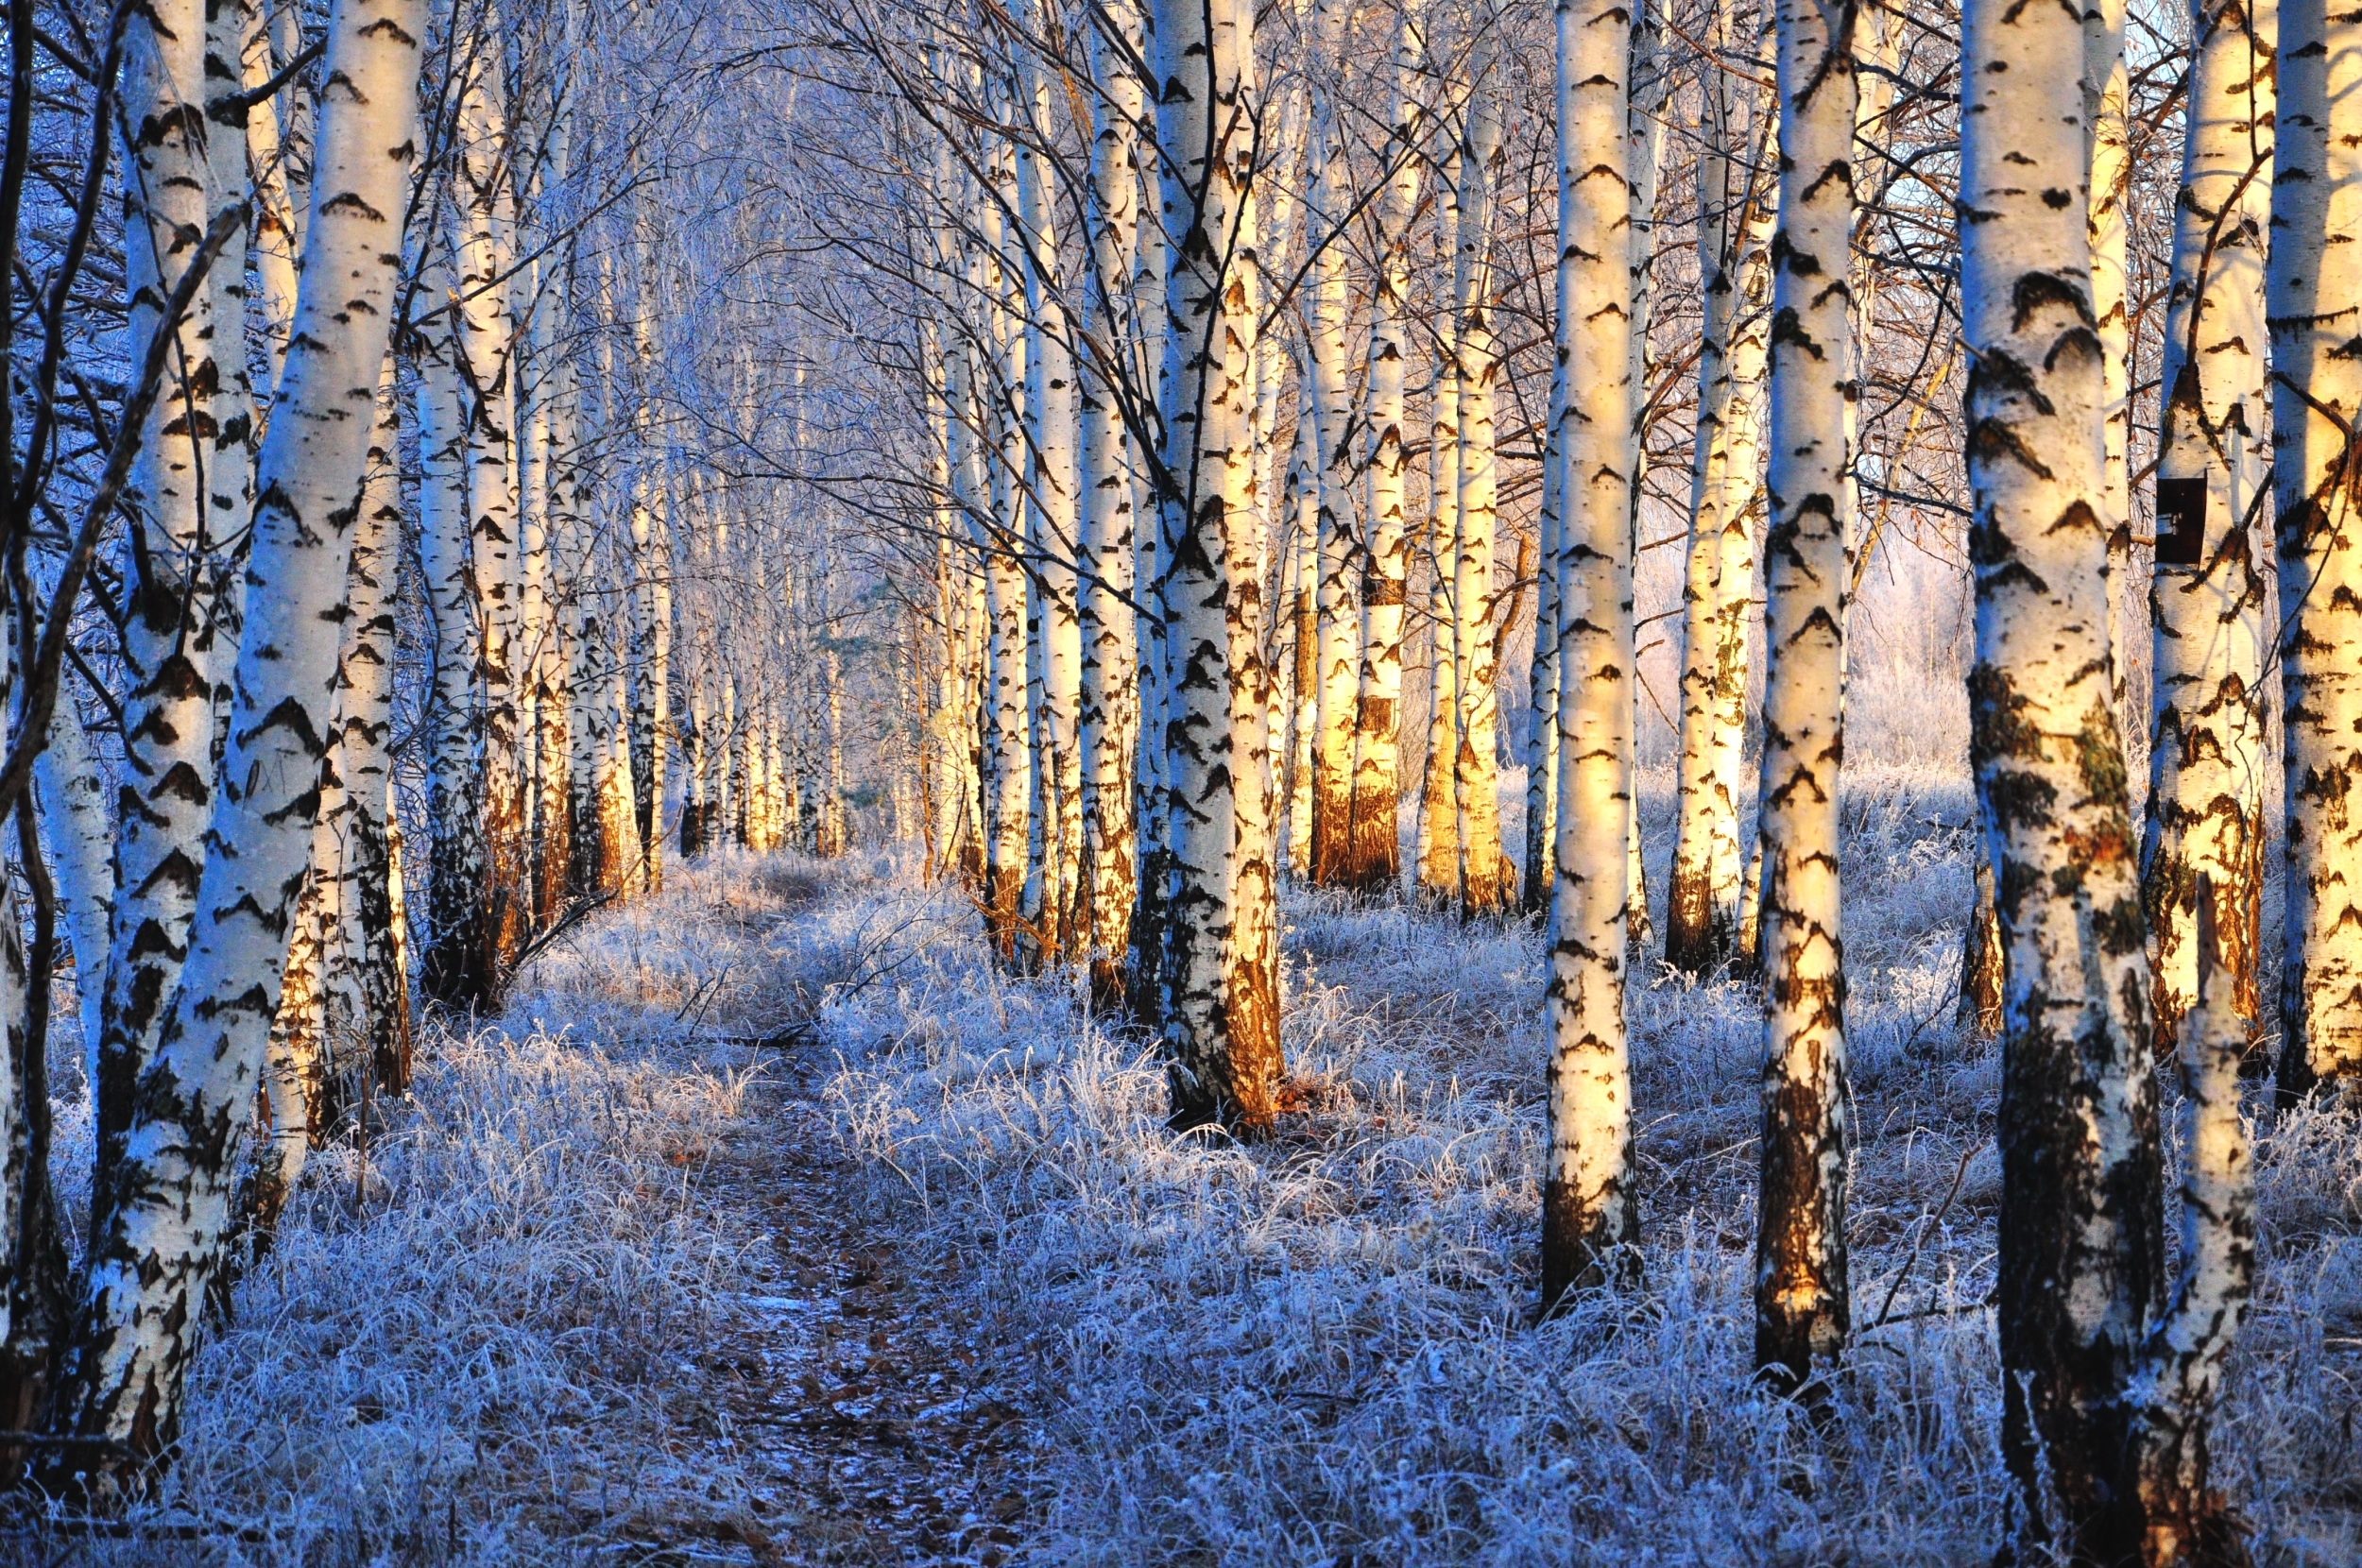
485,211
166,791
2314,280
1803,1303
2107,133
1055,514
2079,1242
2175,1390
2208,721
1438,868
1341,554
365,986
1376,852
149,1264
1702,899
75,825
1109,717
1007,764
1221,1025
1476,796
1590,1218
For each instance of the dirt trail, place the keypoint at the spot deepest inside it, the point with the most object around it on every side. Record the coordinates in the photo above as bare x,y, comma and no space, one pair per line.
845,1406
851,1386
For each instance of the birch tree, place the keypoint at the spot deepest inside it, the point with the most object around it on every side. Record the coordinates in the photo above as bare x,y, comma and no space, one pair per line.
168,1198
1590,1218
2080,1257
1220,1022
2317,395
2207,597
1802,1304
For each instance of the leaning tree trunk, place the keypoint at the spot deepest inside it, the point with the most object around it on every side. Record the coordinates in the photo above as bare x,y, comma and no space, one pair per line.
2081,1255
1590,1216
2316,278
1476,792
1375,854
149,1265
1802,1304
1221,1026
170,630
2208,721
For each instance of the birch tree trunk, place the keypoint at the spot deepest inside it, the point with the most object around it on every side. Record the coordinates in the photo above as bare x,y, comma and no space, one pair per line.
1702,901
365,985
1050,400
2315,276
461,965
1590,1218
2208,723
149,1263
1374,856
1220,1028
1475,795
1802,1304
1339,540
169,636
2107,133
1438,869
485,211
2081,1255
1650,82
80,837
1110,649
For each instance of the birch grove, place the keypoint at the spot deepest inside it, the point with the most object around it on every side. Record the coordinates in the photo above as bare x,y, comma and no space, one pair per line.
1700,521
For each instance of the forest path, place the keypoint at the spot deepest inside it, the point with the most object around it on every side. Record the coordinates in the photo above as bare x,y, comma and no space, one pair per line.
850,1397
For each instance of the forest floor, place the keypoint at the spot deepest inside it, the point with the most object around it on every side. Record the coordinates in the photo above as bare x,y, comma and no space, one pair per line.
773,1225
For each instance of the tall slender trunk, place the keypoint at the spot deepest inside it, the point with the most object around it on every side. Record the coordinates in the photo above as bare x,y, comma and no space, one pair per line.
1303,510
80,837
366,987
1221,1023
461,965
1476,794
1541,690
1050,400
1110,648
2107,135
2208,725
1702,901
1802,1304
1438,868
2316,278
2080,1259
150,1262
483,246
1341,554
170,638
1374,858
1590,1217
1650,82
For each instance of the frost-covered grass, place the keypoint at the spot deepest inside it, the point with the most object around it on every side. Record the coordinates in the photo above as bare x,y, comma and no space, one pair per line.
1323,1350
1319,1350
490,1358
